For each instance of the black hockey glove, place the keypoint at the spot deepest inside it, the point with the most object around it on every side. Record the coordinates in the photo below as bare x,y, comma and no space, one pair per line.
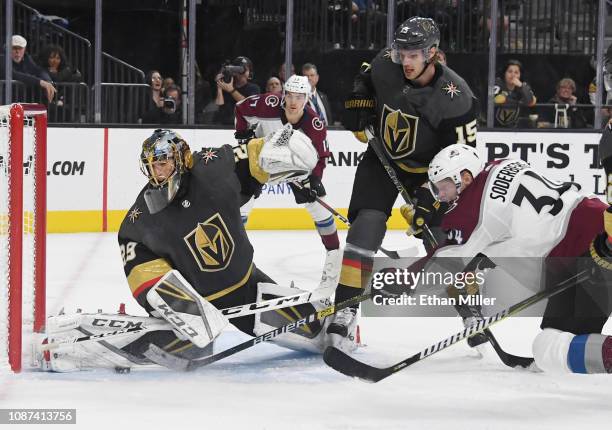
244,136
426,211
359,107
308,190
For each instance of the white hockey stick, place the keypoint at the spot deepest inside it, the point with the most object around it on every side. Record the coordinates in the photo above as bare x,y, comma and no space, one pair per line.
233,312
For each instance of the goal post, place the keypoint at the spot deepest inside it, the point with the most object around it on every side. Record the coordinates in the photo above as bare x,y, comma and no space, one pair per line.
23,194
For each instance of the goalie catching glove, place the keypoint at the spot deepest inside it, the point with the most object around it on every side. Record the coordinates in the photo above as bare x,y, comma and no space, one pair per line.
285,155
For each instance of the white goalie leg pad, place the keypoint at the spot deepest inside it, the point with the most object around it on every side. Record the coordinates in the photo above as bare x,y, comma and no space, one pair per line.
550,348
192,316
290,340
287,154
68,356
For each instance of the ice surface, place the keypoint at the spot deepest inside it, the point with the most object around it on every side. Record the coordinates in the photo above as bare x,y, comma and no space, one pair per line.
267,387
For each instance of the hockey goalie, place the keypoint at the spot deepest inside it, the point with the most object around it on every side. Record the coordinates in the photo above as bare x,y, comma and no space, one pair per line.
187,257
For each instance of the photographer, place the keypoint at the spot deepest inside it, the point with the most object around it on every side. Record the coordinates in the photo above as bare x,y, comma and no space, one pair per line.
233,85
170,110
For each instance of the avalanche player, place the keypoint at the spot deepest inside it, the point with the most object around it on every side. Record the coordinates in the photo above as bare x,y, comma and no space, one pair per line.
186,254
506,208
260,115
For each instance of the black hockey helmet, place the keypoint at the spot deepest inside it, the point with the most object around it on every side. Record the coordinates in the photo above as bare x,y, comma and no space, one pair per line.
416,33
164,145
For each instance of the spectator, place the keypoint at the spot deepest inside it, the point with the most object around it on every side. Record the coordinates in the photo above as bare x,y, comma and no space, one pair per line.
606,113
318,100
273,85
170,110
154,79
26,70
53,59
281,72
566,114
511,94
168,82
238,88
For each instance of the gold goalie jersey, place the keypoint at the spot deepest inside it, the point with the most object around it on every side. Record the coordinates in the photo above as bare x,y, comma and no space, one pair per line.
200,233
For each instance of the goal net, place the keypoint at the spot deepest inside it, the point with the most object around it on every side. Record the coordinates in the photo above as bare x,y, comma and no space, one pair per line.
23,176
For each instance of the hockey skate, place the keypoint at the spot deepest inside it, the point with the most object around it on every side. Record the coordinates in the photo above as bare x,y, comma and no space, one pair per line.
331,269
342,331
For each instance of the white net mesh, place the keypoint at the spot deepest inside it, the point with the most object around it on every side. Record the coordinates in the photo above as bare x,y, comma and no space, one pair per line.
27,239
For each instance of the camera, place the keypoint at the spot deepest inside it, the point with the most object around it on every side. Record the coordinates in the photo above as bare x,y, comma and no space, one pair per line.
169,103
230,70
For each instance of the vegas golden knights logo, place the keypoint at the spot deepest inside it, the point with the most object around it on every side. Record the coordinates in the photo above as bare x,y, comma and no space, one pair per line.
507,116
399,131
211,244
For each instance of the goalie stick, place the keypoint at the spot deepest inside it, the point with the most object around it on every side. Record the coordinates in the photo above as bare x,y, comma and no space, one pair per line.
163,358
350,366
375,144
396,255
232,312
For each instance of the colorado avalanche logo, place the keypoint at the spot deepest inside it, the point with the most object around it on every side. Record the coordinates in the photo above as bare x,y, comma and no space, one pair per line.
272,100
317,124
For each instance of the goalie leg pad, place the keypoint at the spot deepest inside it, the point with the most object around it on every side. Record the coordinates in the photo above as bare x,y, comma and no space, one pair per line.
192,316
307,337
113,352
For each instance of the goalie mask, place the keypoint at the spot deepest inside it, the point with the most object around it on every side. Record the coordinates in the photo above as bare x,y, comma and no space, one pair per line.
449,163
164,159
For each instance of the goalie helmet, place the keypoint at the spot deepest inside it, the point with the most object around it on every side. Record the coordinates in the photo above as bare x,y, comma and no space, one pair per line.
415,33
451,161
164,145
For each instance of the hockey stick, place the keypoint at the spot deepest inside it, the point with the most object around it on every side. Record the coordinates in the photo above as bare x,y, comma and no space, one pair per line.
481,261
375,144
232,312
349,366
163,358
391,254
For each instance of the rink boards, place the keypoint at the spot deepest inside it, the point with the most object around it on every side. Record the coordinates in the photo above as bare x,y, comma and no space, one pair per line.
94,177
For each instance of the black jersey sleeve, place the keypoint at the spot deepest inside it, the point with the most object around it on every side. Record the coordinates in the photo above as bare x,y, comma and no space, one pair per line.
460,129
249,186
143,268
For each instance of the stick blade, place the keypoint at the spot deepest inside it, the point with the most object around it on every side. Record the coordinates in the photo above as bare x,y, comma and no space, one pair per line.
165,359
344,363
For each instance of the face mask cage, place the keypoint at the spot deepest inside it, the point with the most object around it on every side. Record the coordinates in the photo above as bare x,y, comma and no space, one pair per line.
159,150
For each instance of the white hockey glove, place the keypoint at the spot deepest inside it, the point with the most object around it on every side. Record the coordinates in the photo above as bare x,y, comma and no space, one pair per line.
285,155
192,316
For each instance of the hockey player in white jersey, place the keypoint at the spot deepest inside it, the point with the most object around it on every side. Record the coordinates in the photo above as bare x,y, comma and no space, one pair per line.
507,209
261,115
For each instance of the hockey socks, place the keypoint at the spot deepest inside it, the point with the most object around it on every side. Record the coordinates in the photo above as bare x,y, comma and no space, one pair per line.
557,351
329,235
590,353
